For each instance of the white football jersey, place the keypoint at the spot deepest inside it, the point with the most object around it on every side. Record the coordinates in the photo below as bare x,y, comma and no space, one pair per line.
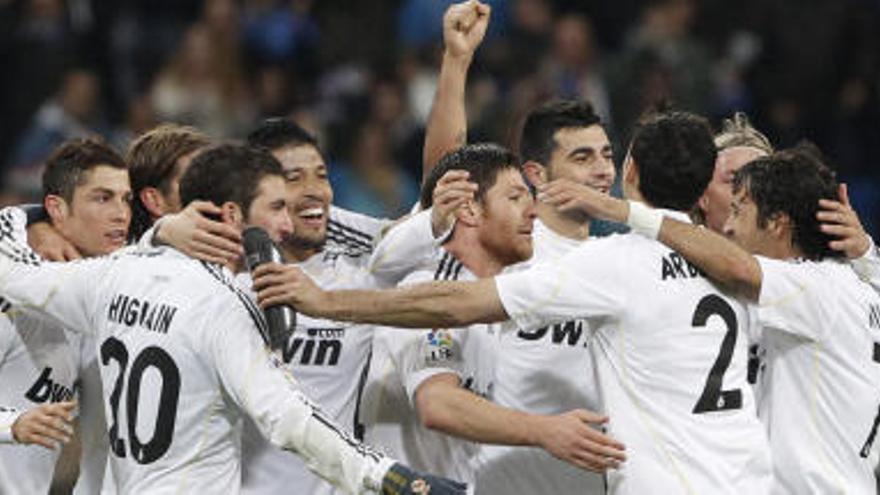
181,362
541,370
821,396
330,359
38,366
403,359
670,353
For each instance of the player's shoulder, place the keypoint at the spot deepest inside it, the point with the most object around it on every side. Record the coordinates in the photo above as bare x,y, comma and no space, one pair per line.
353,234
441,265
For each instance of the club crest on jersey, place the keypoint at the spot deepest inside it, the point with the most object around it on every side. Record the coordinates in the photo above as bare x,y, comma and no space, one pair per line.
420,486
439,345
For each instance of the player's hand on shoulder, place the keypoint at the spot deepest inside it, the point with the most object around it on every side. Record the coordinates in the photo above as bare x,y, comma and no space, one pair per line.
452,191
46,241
195,233
276,284
401,480
840,220
49,425
464,26
570,437
566,195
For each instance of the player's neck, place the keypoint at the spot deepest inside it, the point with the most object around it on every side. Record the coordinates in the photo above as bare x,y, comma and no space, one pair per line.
298,254
573,225
465,246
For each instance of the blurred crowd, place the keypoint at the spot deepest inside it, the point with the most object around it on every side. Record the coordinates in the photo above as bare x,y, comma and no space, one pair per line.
361,75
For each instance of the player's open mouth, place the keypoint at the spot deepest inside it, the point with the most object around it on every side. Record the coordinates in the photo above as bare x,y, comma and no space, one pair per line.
116,236
312,216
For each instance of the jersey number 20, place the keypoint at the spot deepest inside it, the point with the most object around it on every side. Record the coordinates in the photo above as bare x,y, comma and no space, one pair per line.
151,357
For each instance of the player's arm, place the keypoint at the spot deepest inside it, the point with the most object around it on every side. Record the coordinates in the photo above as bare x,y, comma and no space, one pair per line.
44,238
61,292
47,425
840,220
722,260
464,26
435,304
193,232
415,239
443,405
260,385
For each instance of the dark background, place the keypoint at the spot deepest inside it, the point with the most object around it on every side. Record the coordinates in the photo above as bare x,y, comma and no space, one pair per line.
361,74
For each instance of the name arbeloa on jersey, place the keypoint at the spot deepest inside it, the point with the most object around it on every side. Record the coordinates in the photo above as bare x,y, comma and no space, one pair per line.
130,311
676,267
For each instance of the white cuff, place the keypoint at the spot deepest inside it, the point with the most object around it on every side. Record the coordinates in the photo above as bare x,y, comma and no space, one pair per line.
8,417
644,220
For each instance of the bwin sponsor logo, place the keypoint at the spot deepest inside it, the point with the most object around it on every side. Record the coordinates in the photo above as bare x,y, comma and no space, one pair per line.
46,390
568,333
320,346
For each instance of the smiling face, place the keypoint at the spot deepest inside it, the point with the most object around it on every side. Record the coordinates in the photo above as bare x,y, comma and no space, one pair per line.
308,195
97,218
507,217
583,155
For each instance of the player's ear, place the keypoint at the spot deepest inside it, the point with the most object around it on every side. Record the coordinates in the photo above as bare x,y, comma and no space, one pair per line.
469,213
153,201
231,214
631,172
779,226
535,172
56,207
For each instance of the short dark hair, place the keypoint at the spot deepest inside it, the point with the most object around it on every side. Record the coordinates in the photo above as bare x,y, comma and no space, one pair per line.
537,138
67,165
278,132
675,157
791,182
227,172
153,159
482,160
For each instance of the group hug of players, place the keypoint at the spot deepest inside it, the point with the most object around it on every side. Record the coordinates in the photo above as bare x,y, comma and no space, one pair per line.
730,343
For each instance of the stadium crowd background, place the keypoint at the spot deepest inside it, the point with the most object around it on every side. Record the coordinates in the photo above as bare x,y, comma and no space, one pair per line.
361,74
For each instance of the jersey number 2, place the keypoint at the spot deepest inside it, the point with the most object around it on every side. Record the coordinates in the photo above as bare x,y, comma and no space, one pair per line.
866,449
151,357
713,398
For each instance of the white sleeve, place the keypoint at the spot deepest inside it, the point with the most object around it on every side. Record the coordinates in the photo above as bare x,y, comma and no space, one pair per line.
8,416
430,353
405,247
791,299
61,292
585,283
258,382
867,267
356,225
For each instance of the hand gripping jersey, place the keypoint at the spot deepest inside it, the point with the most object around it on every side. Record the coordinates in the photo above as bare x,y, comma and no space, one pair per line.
670,353
404,358
181,363
821,390
329,358
545,369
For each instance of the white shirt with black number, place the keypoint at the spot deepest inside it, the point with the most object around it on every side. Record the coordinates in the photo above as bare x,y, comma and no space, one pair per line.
821,404
542,370
181,363
404,358
38,366
670,352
